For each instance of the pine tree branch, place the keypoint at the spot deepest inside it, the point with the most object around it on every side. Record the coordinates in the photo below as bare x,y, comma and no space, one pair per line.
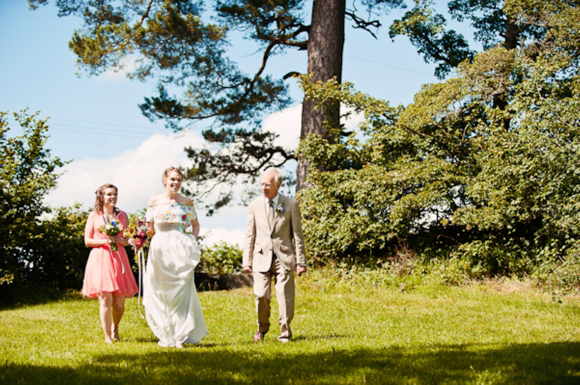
146,14
360,23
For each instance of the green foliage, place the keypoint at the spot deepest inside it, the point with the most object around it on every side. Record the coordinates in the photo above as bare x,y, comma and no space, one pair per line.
61,252
41,248
404,271
492,24
427,33
485,164
221,258
27,174
561,275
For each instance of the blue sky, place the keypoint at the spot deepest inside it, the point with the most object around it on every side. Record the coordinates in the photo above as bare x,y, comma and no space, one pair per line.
96,122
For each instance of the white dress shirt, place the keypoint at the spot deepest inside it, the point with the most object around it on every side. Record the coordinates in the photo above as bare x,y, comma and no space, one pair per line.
267,203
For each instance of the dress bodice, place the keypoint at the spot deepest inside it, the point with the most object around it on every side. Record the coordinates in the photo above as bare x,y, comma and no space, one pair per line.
97,221
170,215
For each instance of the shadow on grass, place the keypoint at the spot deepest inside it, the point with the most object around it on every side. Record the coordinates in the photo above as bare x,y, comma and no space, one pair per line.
204,345
317,337
16,297
552,363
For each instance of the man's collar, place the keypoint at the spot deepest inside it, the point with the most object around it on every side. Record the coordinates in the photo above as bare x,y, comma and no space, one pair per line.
276,199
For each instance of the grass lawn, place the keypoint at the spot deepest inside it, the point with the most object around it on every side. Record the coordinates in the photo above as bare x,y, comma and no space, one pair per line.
480,334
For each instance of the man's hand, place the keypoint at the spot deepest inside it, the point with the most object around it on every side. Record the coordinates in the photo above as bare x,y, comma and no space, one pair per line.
248,269
300,270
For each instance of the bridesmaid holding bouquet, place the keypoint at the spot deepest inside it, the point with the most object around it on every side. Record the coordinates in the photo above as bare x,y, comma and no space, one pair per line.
108,275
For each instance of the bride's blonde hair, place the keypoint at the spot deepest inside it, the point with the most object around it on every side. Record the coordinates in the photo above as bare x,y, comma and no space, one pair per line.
100,199
169,171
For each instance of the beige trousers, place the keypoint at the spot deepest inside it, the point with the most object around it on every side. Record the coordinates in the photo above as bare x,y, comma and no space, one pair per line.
284,284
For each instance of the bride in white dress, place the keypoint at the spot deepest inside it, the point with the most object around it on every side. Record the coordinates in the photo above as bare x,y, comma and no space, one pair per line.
172,306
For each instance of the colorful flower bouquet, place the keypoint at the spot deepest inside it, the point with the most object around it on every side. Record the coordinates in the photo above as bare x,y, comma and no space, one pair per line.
111,229
138,230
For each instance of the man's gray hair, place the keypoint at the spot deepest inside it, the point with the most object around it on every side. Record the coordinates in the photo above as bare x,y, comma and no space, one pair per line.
278,178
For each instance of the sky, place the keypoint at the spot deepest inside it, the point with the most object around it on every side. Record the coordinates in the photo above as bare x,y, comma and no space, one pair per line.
95,121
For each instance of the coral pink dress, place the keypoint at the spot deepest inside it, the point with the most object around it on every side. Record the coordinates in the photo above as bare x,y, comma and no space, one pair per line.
107,271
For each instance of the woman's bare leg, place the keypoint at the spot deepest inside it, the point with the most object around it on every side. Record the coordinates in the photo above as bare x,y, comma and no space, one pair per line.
118,310
106,301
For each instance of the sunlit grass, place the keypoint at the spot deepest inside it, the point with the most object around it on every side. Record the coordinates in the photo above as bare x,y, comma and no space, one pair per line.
344,333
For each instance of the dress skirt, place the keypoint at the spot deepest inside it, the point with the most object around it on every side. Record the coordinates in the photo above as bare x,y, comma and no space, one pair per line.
172,307
108,272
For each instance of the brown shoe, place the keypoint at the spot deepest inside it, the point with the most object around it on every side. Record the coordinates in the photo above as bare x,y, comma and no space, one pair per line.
259,336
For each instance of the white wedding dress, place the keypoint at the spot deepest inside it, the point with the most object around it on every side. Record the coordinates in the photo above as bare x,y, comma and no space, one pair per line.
172,307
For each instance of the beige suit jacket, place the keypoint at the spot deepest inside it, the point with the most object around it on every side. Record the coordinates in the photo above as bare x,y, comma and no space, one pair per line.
285,239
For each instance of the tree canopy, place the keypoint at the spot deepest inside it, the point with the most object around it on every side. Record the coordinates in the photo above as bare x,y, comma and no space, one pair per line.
183,45
178,44
27,174
492,25
446,174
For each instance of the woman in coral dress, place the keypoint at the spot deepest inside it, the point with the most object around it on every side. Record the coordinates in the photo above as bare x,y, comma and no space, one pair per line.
172,307
108,275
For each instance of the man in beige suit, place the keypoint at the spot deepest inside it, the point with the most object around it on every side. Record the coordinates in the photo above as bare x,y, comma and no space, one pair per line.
274,247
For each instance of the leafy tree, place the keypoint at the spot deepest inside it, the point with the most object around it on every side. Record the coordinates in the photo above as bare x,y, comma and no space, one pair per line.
60,253
491,23
27,174
57,258
174,44
221,258
446,170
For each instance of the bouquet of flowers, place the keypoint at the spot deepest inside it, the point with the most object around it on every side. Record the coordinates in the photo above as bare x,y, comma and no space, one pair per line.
138,230
111,229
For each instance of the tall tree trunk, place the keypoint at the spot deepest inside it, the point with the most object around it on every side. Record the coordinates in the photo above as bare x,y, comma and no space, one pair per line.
511,39
512,34
325,49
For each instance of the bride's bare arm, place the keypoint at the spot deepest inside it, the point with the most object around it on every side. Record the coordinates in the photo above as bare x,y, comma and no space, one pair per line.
195,228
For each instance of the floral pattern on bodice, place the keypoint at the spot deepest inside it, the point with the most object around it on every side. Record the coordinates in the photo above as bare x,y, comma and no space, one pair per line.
170,213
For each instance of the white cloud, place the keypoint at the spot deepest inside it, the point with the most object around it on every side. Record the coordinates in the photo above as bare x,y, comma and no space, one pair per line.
354,119
136,173
119,73
217,234
286,124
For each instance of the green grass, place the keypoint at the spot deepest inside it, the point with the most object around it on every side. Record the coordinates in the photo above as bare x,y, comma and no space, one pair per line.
344,333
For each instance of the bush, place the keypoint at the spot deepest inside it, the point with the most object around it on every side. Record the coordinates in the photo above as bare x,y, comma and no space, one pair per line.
561,276
62,254
221,258
55,261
